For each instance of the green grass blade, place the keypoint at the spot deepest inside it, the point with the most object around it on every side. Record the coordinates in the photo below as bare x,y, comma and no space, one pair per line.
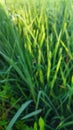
18,113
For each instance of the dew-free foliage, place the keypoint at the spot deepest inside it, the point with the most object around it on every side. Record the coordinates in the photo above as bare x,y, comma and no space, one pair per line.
36,63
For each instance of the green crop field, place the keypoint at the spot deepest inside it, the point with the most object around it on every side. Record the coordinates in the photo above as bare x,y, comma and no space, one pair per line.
36,65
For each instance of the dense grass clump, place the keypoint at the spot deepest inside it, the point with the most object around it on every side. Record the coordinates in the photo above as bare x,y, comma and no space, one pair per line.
36,65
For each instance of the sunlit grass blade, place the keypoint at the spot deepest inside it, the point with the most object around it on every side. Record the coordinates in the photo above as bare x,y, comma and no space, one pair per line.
55,75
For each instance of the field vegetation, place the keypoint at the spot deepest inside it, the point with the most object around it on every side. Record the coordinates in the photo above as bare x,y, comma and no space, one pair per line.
36,65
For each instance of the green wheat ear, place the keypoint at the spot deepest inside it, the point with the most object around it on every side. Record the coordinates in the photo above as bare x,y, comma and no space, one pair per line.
72,81
41,123
35,126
